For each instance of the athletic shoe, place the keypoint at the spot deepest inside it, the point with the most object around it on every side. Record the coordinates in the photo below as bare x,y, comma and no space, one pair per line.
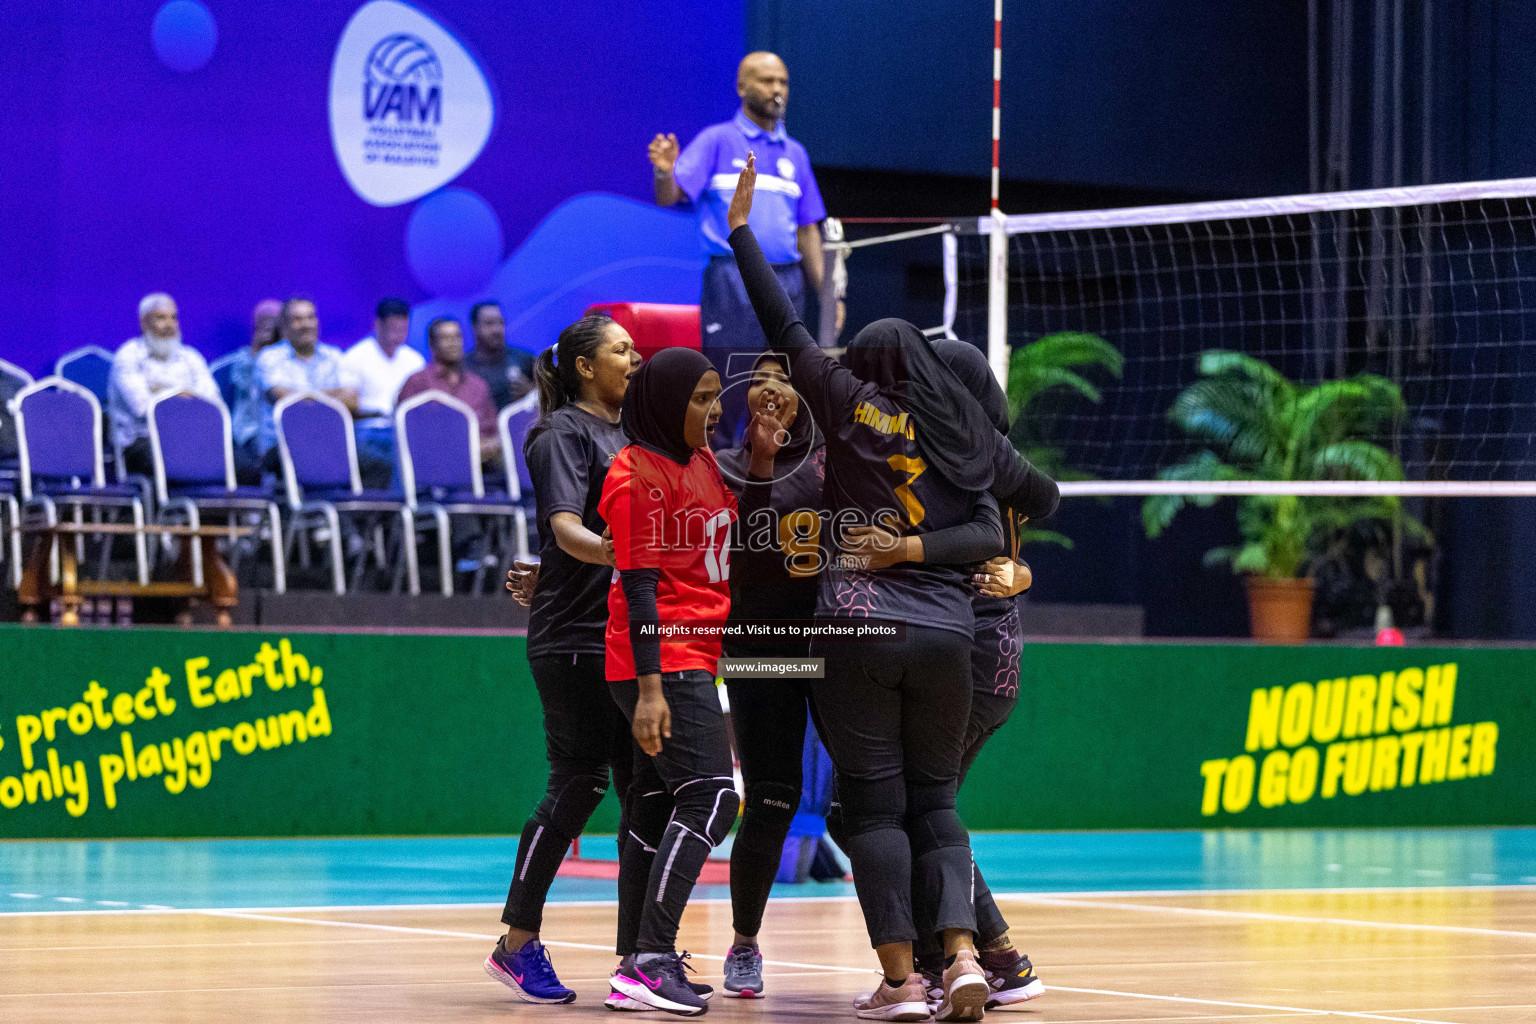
661,984
965,989
1013,983
528,973
619,1001
904,1002
933,980
744,972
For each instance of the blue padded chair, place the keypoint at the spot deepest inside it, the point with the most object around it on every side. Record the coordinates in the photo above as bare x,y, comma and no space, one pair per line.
195,472
12,379
514,423
89,366
223,371
319,458
438,439
58,427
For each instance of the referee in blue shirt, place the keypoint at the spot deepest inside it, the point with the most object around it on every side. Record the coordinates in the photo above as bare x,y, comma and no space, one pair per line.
786,220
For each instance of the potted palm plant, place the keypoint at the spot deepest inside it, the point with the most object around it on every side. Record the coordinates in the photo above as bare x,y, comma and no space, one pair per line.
1257,425
1052,364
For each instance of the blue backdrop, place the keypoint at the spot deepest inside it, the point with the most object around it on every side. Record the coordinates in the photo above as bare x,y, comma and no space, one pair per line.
186,147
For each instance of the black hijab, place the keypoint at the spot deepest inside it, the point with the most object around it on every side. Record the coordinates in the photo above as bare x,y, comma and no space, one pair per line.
971,366
951,426
655,407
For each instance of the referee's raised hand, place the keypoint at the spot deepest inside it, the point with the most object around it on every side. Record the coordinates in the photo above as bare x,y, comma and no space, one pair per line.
741,202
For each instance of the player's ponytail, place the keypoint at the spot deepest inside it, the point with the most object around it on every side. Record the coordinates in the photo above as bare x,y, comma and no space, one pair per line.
554,371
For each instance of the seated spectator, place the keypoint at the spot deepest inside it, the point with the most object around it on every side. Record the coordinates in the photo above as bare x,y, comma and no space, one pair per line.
246,415
381,363
154,363
446,373
507,371
302,363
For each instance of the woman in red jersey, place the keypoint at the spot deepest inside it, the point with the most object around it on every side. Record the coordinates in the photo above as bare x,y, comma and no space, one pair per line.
671,516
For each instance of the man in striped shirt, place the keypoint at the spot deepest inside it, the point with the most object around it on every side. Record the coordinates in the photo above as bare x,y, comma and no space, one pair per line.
786,220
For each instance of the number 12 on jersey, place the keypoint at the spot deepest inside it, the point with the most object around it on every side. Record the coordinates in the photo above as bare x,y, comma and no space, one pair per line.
717,547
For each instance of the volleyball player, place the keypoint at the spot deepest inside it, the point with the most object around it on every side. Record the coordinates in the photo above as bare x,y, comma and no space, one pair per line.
671,517
773,578
581,381
995,658
906,444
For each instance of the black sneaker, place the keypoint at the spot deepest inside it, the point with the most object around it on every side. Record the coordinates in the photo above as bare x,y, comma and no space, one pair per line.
662,983
1011,983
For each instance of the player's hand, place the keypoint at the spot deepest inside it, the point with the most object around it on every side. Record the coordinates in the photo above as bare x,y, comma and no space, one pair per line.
878,546
741,202
521,579
663,152
653,718
765,436
1002,577
609,558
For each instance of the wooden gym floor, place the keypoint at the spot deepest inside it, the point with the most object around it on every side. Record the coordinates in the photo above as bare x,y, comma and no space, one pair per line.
1393,951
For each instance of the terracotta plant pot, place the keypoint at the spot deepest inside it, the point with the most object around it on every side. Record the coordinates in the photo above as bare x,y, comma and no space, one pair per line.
1280,611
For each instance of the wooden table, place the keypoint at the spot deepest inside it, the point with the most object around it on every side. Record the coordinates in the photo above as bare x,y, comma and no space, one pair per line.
219,586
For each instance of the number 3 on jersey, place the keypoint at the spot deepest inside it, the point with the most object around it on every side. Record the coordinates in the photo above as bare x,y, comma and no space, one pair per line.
913,468
717,547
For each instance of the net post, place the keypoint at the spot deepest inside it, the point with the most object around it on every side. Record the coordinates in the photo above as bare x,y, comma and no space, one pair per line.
834,252
997,298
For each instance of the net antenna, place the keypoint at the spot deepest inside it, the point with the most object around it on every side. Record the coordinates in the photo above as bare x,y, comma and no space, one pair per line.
1432,288
997,282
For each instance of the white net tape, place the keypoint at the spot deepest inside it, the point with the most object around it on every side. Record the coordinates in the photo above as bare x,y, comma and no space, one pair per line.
1431,288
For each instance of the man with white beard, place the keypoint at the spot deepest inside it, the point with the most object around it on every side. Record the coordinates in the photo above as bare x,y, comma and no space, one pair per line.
154,363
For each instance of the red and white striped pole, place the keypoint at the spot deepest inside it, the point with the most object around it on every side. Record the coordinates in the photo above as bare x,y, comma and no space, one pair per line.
997,91
997,272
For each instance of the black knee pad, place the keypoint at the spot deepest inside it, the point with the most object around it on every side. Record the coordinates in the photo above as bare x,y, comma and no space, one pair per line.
932,822
707,808
647,816
571,799
771,805
835,826
868,805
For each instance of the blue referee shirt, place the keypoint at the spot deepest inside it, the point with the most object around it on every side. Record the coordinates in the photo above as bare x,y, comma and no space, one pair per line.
787,196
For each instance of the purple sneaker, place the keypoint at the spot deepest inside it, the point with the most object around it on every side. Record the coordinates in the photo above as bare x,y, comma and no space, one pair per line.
528,973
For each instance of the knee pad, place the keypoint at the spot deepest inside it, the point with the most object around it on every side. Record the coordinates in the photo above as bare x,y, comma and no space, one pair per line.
868,805
707,808
571,799
932,822
771,805
647,817
835,825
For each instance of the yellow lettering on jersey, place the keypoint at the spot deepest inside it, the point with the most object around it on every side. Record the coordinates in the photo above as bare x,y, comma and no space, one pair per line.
913,467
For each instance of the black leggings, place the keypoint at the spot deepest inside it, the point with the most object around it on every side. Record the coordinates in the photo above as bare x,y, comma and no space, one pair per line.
682,803
989,711
894,718
585,736
768,717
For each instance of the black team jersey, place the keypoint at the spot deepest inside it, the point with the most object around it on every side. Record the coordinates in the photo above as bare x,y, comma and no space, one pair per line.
875,472
774,575
568,459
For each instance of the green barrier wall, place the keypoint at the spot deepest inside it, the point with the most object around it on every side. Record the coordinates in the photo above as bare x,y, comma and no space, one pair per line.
178,733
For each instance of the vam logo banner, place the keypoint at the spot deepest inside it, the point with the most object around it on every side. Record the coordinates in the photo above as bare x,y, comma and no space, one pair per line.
410,108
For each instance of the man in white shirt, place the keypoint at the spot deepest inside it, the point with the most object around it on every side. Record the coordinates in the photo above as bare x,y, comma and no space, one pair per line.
154,363
380,364
382,361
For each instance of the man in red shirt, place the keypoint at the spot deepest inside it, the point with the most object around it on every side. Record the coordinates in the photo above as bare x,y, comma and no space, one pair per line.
446,373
